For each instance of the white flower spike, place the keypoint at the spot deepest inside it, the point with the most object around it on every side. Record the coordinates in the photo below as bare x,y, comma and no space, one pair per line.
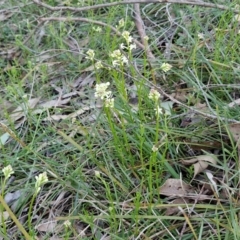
166,67
158,111
98,65
90,54
121,23
154,148
127,37
7,171
154,94
101,90
109,102
41,179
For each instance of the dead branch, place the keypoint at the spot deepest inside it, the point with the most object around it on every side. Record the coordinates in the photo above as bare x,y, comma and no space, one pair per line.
141,30
192,2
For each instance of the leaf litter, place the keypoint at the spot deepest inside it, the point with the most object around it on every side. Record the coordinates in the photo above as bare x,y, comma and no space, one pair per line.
173,188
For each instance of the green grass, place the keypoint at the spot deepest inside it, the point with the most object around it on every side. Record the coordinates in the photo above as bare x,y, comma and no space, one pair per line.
103,175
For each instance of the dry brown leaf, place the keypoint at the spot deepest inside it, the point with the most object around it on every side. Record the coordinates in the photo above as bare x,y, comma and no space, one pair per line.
49,226
175,210
201,107
70,116
55,103
20,111
180,95
55,118
4,15
200,163
192,117
88,69
42,237
234,128
5,106
12,197
71,94
199,167
175,187
4,216
4,138
234,103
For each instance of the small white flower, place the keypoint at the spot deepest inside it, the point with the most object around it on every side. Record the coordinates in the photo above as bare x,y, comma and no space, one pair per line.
158,111
121,23
115,63
122,46
97,174
109,102
154,148
132,46
40,180
67,223
101,90
146,38
97,29
7,171
154,94
98,65
237,17
127,37
118,58
201,36
166,67
90,54
124,60
116,54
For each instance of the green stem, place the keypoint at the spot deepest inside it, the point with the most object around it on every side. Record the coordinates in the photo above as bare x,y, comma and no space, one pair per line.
11,214
30,210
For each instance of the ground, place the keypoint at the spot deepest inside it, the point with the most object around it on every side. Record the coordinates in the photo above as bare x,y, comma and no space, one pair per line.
119,120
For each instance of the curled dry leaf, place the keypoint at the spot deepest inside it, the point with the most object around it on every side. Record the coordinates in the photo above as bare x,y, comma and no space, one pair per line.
200,163
175,187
